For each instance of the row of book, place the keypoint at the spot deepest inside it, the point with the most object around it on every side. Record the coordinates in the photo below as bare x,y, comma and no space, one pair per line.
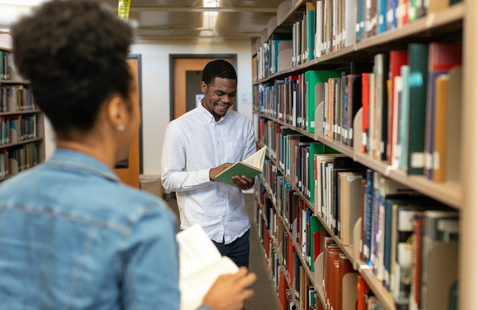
409,99
294,154
17,128
378,16
295,100
411,242
18,159
16,98
329,25
410,102
401,235
274,55
5,65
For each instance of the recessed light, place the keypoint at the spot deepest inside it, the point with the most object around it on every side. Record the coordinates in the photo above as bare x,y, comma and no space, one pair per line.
23,2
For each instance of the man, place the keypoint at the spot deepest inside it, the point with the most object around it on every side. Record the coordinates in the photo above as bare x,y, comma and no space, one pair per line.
198,146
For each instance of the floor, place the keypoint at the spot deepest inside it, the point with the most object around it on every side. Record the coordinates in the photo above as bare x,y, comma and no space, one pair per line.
265,297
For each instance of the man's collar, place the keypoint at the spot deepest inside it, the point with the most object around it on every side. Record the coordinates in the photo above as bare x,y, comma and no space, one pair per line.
208,116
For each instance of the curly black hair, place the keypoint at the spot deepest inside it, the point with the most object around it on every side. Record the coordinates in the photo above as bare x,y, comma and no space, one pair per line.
218,68
74,53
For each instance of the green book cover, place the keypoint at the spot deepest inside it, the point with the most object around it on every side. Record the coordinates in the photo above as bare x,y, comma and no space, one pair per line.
417,81
310,7
250,167
311,79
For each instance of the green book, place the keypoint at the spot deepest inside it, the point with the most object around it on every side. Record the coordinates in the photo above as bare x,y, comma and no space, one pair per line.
312,78
310,8
250,167
417,81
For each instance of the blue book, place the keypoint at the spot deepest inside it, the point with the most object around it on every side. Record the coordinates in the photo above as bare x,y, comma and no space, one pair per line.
383,16
392,20
367,219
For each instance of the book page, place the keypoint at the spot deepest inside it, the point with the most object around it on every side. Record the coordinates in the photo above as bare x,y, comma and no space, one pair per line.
194,287
196,250
200,264
257,159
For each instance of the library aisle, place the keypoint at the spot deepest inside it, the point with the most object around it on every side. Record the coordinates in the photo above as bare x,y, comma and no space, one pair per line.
264,297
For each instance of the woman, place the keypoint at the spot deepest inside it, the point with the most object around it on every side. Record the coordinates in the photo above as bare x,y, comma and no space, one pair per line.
71,235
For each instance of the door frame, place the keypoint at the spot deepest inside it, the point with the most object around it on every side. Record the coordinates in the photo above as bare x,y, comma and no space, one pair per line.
126,172
172,57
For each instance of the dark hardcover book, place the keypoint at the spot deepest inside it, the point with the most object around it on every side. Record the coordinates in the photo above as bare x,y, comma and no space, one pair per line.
418,61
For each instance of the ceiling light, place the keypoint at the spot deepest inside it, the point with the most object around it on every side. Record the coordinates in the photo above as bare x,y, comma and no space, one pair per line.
23,2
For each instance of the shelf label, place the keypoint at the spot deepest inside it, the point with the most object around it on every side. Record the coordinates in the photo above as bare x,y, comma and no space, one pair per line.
417,160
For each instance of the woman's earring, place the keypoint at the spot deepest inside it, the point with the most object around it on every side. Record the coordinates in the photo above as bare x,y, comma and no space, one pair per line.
121,127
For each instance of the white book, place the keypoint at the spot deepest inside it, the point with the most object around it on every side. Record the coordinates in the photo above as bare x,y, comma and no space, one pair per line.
200,264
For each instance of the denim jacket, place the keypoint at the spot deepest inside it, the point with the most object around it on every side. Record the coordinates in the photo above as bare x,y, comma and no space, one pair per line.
72,236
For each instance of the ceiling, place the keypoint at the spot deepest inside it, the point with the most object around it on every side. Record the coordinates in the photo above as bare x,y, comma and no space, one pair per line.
180,19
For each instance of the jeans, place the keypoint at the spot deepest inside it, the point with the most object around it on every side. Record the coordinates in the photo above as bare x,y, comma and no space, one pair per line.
237,251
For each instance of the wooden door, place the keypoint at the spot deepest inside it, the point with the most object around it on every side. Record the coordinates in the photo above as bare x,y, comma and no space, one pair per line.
180,68
128,170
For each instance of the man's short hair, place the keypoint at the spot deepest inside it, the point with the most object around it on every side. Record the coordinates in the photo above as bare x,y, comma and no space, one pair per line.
218,68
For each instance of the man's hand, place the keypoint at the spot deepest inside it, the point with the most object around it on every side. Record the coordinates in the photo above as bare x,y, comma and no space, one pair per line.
213,172
230,292
242,182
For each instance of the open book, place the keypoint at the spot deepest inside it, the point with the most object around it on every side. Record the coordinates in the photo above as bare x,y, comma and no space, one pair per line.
250,167
200,264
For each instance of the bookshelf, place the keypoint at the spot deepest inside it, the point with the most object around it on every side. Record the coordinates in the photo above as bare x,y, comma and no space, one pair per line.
444,26
22,123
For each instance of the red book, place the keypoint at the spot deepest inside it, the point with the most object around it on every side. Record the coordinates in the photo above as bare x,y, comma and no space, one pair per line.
365,104
362,288
405,12
282,292
397,60
336,268
345,267
333,252
317,237
290,260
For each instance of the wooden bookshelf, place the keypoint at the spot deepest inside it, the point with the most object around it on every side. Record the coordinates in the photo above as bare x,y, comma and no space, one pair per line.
446,25
12,81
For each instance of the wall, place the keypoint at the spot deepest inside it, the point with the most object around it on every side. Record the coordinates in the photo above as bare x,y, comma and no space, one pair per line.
155,88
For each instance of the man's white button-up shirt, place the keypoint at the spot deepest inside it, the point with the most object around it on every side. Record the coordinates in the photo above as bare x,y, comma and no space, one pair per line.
194,143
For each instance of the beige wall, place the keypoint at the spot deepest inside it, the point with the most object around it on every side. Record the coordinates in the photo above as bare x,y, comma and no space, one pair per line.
155,86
